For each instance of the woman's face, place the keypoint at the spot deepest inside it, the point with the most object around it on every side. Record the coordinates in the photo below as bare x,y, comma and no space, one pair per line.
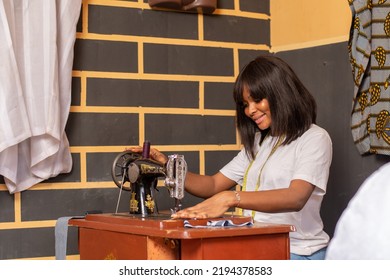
259,111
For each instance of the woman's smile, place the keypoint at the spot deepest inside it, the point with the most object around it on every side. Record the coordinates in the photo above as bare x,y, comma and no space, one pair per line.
258,111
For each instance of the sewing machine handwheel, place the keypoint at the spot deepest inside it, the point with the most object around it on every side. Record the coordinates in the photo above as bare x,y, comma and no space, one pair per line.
119,169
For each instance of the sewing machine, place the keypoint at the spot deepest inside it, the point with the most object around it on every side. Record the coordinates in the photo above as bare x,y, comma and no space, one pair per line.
139,174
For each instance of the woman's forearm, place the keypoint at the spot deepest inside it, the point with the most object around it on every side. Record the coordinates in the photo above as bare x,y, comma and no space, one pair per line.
206,186
199,185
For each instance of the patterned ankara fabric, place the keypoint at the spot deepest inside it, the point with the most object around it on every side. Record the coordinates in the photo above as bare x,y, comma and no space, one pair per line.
369,45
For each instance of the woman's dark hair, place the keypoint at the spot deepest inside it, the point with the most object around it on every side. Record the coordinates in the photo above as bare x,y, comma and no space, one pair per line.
293,108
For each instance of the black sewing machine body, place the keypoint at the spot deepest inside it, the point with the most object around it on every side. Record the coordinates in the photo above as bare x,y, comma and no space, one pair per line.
139,175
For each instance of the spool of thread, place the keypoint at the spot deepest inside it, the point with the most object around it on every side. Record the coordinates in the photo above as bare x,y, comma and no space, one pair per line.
146,149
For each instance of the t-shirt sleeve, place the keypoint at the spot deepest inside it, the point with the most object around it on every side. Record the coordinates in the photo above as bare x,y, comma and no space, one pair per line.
313,159
235,169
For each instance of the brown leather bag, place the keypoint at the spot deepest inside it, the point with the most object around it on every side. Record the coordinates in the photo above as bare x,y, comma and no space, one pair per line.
195,6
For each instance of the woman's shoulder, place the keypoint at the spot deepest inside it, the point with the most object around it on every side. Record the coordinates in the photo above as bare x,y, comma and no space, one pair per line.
317,132
316,129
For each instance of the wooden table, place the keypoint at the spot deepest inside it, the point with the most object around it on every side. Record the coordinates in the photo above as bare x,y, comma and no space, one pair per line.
129,237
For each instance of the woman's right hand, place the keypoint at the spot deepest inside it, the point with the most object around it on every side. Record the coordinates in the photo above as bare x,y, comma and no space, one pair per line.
154,154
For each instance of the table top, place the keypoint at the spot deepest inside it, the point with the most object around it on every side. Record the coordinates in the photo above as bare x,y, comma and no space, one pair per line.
163,226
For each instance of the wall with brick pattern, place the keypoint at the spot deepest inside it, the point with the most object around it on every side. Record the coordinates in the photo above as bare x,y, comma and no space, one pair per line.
139,74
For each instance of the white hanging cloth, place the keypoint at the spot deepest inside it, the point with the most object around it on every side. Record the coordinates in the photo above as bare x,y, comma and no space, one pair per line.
36,59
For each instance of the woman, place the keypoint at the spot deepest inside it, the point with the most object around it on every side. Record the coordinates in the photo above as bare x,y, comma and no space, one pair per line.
284,165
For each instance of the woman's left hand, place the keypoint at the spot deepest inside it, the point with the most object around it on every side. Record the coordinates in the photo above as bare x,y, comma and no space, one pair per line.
213,207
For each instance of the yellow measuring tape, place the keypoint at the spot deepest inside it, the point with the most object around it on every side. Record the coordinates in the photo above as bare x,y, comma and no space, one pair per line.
245,179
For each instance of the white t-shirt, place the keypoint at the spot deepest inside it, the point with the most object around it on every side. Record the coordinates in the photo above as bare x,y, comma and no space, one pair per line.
363,230
307,158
